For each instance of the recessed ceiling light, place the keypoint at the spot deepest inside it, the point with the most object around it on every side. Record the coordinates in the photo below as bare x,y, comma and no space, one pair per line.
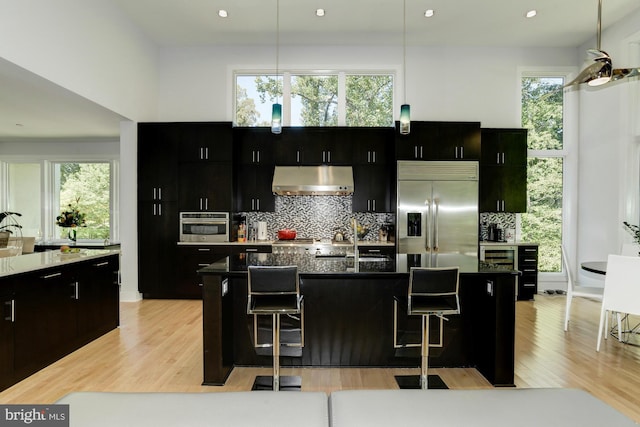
222,13
428,13
531,13
319,12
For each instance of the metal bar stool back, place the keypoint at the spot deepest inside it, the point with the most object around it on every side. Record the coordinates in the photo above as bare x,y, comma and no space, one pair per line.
274,290
432,292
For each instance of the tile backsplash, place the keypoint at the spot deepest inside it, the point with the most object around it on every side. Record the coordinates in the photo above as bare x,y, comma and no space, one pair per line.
504,220
318,217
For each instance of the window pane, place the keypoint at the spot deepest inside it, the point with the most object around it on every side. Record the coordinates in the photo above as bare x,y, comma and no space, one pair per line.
369,100
255,96
543,221
314,100
24,196
85,186
542,112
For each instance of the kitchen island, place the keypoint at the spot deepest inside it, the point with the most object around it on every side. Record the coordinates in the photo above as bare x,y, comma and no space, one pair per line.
54,303
355,315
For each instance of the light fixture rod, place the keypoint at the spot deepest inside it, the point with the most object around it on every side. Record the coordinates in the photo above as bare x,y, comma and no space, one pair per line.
404,48
599,28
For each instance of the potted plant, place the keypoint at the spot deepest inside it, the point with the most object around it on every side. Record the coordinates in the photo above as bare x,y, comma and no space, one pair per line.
634,230
8,224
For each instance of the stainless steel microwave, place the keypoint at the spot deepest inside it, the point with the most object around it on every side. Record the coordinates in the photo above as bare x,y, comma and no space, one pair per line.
204,226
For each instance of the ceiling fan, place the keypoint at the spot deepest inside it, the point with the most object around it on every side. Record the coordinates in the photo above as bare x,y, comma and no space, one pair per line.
601,71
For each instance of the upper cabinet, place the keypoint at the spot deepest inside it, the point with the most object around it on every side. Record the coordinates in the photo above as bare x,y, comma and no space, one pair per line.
255,150
157,172
503,170
204,141
312,146
439,141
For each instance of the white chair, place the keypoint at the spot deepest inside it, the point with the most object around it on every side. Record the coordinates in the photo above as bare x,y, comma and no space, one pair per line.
577,290
621,291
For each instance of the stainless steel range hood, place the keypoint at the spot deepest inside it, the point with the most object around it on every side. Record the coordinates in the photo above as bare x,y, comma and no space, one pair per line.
313,180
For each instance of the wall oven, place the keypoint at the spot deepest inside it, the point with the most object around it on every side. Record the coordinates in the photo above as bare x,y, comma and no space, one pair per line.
204,226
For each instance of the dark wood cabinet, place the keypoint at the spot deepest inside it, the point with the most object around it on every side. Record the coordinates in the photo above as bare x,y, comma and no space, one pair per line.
503,170
439,141
314,146
254,165
190,260
49,313
254,188
205,168
158,234
6,333
528,266
206,187
204,141
157,172
45,322
371,145
372,184
97,298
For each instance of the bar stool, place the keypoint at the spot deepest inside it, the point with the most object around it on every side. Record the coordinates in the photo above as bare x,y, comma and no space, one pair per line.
432,292
275,290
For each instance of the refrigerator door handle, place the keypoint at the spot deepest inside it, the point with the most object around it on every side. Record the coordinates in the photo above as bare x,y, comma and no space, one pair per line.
436,205
428,226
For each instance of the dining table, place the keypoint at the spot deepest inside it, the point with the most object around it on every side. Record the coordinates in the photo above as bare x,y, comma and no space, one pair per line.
598,267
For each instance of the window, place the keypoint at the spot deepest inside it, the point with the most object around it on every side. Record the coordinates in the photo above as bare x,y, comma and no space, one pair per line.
85,186
542,115
313,99
41,189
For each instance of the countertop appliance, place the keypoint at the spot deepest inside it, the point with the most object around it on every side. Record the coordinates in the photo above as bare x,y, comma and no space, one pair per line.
204,226
437,209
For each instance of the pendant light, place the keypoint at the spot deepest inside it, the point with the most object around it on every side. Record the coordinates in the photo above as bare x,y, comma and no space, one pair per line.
405,109
276,111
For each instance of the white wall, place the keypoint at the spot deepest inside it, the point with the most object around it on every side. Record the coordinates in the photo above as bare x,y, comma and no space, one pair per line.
609,191
85,46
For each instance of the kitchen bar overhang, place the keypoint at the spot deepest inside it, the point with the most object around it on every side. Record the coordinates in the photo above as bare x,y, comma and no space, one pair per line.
350,320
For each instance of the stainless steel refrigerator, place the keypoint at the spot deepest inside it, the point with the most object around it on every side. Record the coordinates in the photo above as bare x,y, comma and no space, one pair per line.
437,216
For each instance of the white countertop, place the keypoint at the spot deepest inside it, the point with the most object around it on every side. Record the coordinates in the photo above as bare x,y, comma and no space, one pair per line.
270,242
41,260
487,243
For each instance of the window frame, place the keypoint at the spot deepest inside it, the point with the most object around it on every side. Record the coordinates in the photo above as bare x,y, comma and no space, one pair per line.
569,155
286,88
48,198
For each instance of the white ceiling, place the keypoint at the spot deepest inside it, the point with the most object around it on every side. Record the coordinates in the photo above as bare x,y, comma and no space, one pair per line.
54,112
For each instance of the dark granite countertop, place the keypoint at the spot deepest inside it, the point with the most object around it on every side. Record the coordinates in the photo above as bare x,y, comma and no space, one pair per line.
308,264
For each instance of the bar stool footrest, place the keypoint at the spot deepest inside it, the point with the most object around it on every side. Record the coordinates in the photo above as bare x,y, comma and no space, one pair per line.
287,383
412,382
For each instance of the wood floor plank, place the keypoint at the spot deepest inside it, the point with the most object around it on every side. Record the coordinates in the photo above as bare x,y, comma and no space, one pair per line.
158,347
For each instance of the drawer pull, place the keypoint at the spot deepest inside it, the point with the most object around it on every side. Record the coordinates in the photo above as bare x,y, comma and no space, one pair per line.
51,276
101,264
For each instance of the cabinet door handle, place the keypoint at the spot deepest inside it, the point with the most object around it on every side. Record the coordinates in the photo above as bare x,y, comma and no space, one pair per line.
159,209
154,193
368,156
206,152
51,276
489,288
297,156
75,295
497,205
201,154
373,251
203,265
251,250
101,264
159,193
204,250
206,203
462,152
421,152
374,204
258,156
456,152
154,210
257,204
374,157
368,204
415,151
328,156
502,205
498,158
12,311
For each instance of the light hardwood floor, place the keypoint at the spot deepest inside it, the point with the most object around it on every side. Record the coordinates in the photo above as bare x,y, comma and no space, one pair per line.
158,347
